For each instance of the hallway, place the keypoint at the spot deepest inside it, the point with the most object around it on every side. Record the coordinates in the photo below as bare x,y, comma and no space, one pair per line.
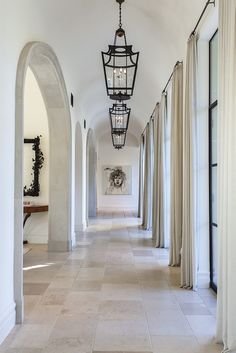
113,293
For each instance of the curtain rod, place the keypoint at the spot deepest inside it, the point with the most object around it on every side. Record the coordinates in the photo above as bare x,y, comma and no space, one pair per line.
172,73
164,91
209,2
150,118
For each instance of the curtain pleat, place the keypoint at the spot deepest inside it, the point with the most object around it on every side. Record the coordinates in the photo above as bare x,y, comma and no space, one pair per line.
176,166
141,168
226,308
158,221
188,253
147,185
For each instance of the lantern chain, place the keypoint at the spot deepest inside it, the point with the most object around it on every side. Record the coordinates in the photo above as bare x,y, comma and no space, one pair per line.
120,14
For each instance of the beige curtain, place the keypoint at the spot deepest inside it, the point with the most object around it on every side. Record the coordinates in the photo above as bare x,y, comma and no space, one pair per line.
147,184
141,169
226,311
158,221
188,254
176,166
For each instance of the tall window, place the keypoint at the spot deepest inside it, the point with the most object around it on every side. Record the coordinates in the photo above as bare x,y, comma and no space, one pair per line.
213,116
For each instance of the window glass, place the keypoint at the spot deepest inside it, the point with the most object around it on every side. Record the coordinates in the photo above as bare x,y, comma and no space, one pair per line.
214,135
214,258
214,69
213,116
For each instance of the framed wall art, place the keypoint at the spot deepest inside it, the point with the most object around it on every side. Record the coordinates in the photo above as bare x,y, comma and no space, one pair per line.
117,180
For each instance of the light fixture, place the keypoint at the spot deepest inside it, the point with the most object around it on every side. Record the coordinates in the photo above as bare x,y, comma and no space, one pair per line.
118,140
120,66
119,118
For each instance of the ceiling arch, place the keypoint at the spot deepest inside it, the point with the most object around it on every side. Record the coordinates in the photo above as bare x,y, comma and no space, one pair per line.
79,30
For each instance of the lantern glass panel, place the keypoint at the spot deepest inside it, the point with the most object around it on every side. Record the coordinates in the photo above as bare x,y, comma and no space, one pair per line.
119,117
118,140
120,67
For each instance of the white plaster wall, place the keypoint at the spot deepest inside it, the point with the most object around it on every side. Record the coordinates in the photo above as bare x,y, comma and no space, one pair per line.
36,124
107,155
61,25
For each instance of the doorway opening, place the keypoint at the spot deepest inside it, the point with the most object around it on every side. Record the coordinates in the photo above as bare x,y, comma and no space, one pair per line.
42,61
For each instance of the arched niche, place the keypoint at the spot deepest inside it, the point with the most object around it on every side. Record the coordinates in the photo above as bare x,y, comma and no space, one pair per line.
91,170
42,60
78,178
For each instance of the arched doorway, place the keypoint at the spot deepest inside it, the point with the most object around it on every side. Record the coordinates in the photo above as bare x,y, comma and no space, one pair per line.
91,156
46,68
78,179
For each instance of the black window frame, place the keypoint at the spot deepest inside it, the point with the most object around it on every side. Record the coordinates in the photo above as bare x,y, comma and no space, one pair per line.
212,106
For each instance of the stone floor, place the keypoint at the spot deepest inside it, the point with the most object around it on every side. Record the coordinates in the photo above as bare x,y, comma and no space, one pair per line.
113,293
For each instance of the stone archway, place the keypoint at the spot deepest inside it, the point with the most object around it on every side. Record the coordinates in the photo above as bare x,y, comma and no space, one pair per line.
43,62
78,179
91,179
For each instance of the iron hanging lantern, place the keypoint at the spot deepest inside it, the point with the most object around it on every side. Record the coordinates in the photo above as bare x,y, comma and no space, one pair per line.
120,66
118,140
119,118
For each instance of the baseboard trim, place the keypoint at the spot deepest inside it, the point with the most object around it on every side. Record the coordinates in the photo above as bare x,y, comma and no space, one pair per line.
80,227
59,246
38,239
203,279
7,321
117,208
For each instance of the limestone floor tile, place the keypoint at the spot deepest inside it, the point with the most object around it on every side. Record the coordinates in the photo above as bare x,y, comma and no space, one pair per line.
202,325
81,327
118,258
35,288
194,309
23,350
55,296
169,323
98,263
107,352
82,302
210,301
145,259
86,286
61,283
44,314
90,274
122,336
30,301
208,344
158,294
151,273
182,344
32,336
154,286
121,292
121,310
73,263
109,295
155,306
186,296
66,345
143,253
68,271
42,276
120,274
175,344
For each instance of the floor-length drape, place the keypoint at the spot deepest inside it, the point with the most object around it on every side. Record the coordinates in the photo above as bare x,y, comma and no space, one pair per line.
176,166
226,312
188,254
158,221
147,183
141,169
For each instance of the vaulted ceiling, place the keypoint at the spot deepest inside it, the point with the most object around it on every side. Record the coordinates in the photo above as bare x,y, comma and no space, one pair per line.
79,29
